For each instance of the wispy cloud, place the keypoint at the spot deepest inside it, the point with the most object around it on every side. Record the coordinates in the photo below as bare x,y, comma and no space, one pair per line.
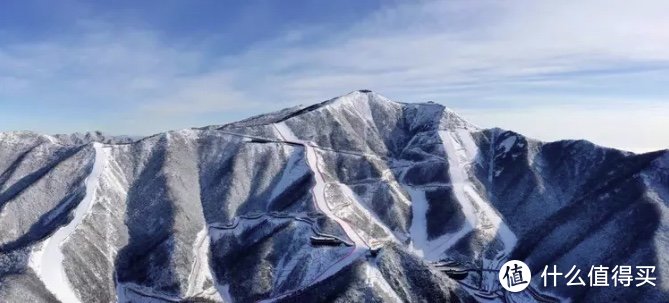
441,46
510,56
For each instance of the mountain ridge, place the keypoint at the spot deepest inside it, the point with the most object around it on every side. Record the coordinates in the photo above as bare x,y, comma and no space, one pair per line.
286,113
357,199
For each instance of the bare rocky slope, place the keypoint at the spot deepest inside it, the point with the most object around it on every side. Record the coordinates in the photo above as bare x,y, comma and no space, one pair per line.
356,199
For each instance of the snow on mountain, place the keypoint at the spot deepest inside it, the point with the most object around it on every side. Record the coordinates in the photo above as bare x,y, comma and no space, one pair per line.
358,198
50,255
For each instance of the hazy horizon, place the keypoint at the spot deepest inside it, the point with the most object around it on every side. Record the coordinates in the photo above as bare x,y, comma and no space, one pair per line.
594,70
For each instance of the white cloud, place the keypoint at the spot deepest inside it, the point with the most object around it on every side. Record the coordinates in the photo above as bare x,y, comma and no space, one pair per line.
126,81
524,59
485,41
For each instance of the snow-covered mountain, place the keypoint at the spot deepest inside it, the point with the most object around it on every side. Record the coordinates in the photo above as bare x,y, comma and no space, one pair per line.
356,199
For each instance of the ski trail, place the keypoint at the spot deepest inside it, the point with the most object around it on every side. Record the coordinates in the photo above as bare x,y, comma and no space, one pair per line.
319,187
318,192
201,271
51,269
457,157
479,210
479,215
369,214
429,249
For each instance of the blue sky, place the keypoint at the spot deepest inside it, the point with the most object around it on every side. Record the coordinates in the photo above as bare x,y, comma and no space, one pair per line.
550,69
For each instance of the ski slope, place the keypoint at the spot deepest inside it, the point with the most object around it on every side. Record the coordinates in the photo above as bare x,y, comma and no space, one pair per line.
51,269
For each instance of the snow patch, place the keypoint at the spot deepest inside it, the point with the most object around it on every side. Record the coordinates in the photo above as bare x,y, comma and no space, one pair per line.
224,291
293,171
508,143
373,277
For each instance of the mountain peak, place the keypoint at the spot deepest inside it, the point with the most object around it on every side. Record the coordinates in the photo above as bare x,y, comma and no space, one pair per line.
363,95
363,105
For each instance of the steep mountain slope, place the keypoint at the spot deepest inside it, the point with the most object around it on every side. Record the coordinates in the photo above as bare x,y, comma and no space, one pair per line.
358,198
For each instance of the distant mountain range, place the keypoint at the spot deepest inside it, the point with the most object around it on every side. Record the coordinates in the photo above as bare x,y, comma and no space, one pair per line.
355,199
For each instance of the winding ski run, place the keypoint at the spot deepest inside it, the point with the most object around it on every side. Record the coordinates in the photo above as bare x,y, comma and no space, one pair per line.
318,191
